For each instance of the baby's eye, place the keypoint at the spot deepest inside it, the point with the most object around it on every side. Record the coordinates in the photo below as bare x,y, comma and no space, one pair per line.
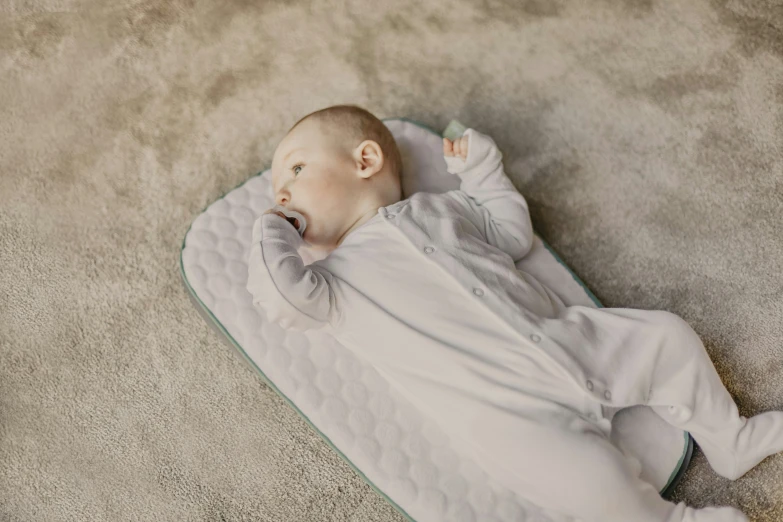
297,167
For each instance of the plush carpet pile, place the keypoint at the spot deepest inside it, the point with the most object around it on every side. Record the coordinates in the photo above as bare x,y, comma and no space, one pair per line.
645,134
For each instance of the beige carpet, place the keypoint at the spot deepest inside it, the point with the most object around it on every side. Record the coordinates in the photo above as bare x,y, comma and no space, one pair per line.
646,136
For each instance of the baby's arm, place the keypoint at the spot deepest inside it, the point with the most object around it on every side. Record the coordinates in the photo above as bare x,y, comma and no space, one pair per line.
290,293
506,220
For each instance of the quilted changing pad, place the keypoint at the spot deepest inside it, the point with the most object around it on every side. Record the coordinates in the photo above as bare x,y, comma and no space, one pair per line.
405,457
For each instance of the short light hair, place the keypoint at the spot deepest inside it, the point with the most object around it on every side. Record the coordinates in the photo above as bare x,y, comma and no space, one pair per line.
359,124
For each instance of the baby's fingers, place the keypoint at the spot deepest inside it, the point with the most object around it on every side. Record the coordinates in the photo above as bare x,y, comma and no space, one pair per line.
463,147
447,147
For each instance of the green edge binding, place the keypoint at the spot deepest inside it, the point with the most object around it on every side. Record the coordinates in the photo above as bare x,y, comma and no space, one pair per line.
453,130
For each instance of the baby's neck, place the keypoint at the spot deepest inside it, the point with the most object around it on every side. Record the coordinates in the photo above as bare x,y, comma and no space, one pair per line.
364,218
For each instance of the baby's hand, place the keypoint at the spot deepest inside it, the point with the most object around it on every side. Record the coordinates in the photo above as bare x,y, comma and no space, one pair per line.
458,148
293,221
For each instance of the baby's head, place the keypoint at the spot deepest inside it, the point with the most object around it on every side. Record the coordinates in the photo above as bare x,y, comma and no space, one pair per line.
336,167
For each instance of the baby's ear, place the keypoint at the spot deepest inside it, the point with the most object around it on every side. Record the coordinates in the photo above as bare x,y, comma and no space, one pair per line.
369,157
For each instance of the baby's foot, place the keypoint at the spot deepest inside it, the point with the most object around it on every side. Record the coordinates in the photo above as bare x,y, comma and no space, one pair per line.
458,147
759,437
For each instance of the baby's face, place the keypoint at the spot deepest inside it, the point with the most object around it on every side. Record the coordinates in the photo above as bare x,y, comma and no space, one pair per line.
314,173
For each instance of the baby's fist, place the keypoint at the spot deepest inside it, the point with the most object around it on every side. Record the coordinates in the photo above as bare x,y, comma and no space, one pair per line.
458,147
293,221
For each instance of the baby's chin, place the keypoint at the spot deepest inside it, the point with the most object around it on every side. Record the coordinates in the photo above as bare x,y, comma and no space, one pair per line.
310,242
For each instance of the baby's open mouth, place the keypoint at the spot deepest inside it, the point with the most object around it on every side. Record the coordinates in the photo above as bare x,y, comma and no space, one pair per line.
294,222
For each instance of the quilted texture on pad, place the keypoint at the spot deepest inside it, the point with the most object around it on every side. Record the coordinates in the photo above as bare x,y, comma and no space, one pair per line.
407,458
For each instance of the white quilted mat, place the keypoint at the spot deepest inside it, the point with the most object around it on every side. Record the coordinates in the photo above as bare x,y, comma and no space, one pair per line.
402,455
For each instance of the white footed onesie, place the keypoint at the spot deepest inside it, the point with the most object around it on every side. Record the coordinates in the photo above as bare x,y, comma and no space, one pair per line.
427,291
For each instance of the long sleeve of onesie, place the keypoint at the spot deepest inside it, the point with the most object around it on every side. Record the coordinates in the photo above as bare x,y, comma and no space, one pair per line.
501,212
288,292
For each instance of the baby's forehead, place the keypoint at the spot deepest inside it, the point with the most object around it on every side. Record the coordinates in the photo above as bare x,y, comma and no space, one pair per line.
285,153
283,147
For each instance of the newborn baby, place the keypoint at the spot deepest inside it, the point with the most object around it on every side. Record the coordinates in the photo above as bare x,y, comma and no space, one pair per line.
427,291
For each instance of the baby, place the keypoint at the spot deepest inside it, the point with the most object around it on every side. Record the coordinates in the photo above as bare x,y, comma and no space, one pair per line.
426,289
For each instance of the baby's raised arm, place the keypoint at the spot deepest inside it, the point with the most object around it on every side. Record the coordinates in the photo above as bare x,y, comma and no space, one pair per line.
490,194
290,293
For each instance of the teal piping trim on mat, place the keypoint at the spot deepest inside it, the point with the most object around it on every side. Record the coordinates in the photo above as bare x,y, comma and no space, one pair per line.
680,462
269,382
576,278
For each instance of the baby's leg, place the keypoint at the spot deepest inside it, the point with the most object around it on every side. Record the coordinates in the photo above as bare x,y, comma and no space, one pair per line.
582,475
688,393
